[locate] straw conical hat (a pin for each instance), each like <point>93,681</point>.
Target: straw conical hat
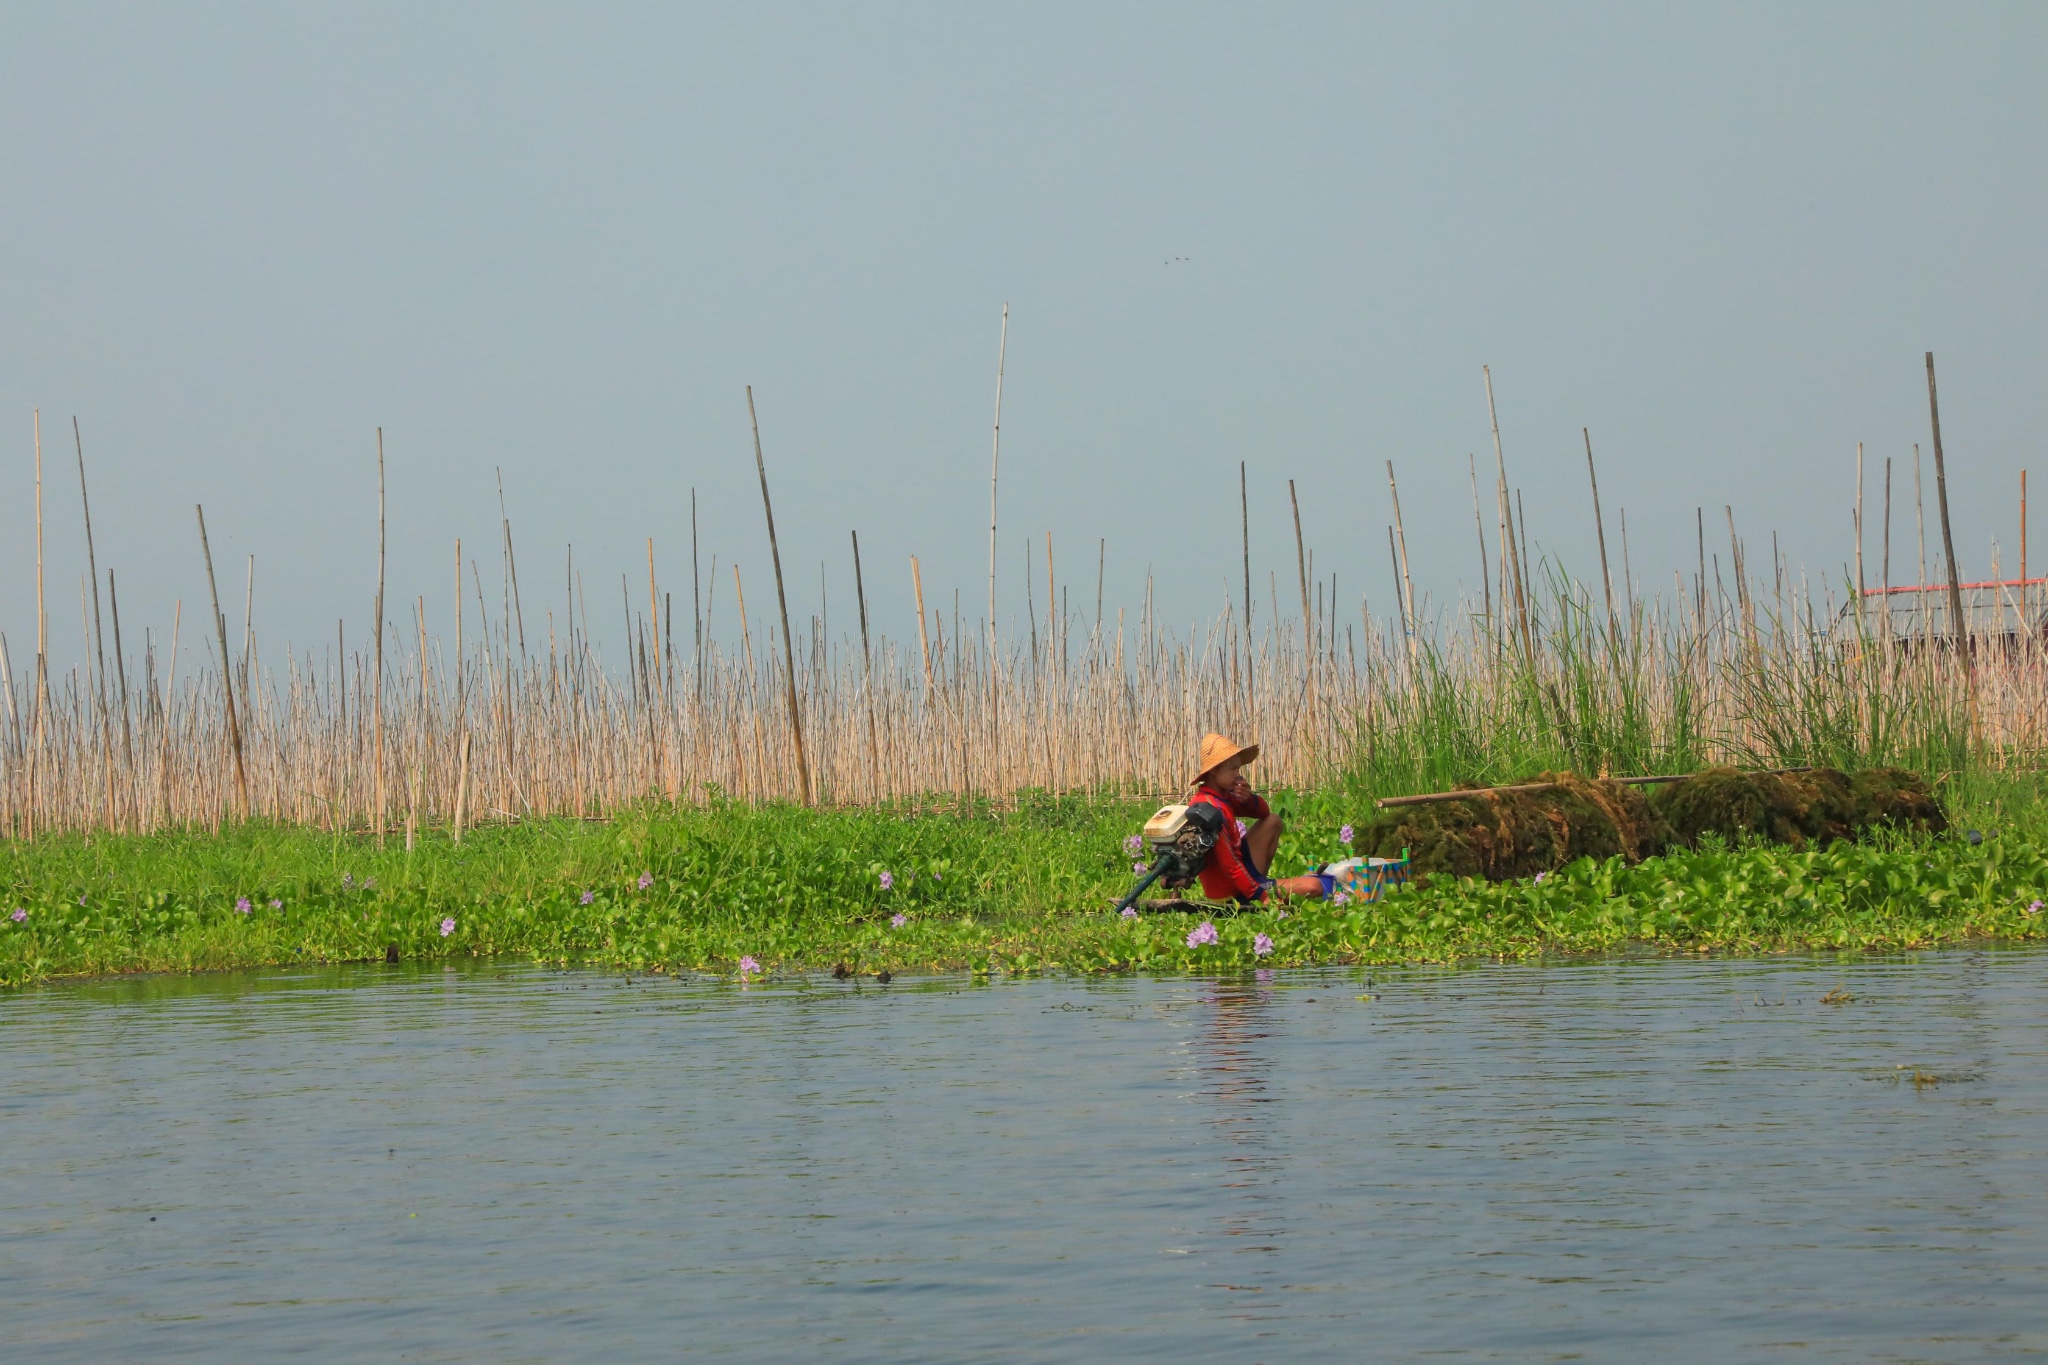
<point>1217,751</point>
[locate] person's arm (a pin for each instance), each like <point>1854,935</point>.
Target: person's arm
<point>1248,803</point>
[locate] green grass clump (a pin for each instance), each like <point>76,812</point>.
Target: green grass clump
<point>1017,890</point>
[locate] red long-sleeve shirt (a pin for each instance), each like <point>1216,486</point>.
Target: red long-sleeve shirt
<point>1226,874</point>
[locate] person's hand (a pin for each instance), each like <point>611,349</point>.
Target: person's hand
<point>1242,788</point>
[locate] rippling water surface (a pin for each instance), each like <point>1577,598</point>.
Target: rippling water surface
<point>1601,1161</point>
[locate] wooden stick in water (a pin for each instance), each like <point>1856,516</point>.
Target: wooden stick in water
<point>1885,555</point>
<point>1479,525</point>
<point>1860,588</point>
<point>378,626</point>
<point>92,568</point>
<point>1948,545</point>
<point>1407,583</point>
<point>227,682</point>
<point>994,463</point>
<point>923,641</point>
<point>1244,511</point>
<point>1919,515</point>
<point>796,722</point>
<point>1600,533</point>
<point>860,594</point>
<point>462,788</point>
<point>121,673</point>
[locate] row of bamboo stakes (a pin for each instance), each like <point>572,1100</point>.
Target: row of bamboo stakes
<point>408,732</point>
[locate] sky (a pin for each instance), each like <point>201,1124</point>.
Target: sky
<point>559,243</point>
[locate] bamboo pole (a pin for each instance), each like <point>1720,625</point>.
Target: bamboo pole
<point>1861,590</point>
<point>1885,555</point>
<point>98,636</point>
<point>227,682</point>
<point>1957,627</point>
<point>1479,525</point>
<point>1919,515</point>
<point>1600,533</point>
<point>1407,583</point>
<point>867,665</point>
<point>378,626</point>
<point>923,642</point>
<point>462,788</point>
<point>1244,511</point>
<point>41,699</point>
<point>994,463</point>
<point>796,720</point>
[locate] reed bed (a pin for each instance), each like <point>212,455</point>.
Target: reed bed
<point>490,727</point>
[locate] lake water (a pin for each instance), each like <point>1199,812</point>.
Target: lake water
<point>1609,1160</point>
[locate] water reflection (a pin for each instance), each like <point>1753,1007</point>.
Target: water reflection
<point>1606,1159</point>
<point>1237,1089</point>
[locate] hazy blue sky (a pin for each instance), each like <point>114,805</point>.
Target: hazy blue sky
<point>562,241</point>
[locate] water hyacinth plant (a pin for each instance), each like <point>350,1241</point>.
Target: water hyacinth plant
<point>1024,890</point>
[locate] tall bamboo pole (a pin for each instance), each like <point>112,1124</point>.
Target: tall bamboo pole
<point>860,594</point>
<point>227,681</point>
<point>1244,512</point>
<point>42,696</point>
<point>377,685</point>
<point>99,638</point>
<point>1957,626</point>
<point>1479,525</point>
<point>1407,583</point>
<point>796,720</point>
<point>1507,514</point>
<point>994,464</point>
<point>1600,533</point>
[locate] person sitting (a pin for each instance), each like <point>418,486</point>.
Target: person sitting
<point>1238,866</point>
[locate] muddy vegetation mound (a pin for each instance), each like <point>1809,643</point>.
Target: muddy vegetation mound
<point>1498,833</point>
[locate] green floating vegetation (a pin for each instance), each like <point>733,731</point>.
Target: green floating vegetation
<point>1504,834</point>
<point>660,889</point>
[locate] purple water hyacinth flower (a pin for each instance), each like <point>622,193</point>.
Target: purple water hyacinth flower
<point>276,904</point>
<point>1205,932</point>
<point>646,880</point>
<point>1130,912</point>
<point>935,876</point>
<point>1243,829</point>
<point>242,905</point>
<point>1281,914</point>
<point>1138,868</point>
<point>447,926</point>
<point>588,897</point>
<point>749,966</point>
<point>2033,909</point>
<point>1541,875</point>
<point>1261,946</point>
<point>898,920</point>
<point>888,881</point>
<point>1344,835</point>
<point>1338,898</point>
<point>19,915</point>
<point>1133,844</point>
<point>81,900</point>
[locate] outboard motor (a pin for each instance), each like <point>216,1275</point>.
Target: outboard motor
<point>1181,838</point>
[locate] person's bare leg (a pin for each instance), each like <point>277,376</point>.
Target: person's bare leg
<point>1264,841</point>
<point>1308,887</point>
